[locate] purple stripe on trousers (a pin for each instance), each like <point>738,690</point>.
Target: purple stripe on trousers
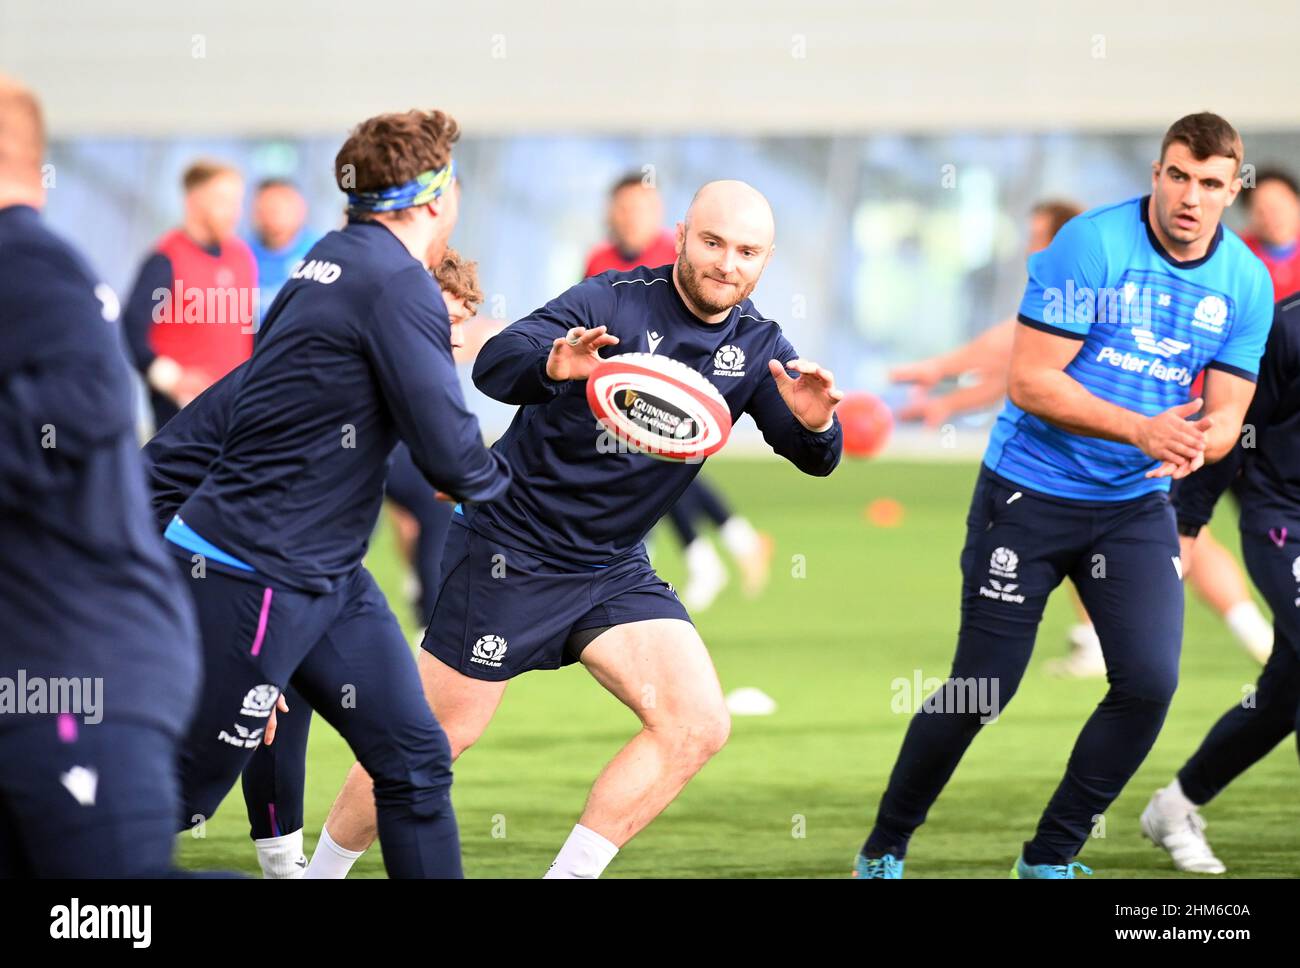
<point>261,621</point>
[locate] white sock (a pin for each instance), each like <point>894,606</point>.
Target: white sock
<point>1083,636</point>
<point>1251,628</point>
<point>1175,802</point>
<point>281,857</point>
<point>738,536</point>
<point>585,854</point>
<point>702,561</point>
<point>330,862</point>
<point>706,575</point>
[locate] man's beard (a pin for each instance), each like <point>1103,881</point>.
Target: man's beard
<point>693,287</point>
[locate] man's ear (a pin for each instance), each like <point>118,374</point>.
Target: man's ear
<point>1234,190</point>
<point>1155,172</point>
<point>680,240</point>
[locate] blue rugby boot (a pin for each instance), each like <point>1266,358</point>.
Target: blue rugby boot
<point>1051,872</point>
<point>888,867</point>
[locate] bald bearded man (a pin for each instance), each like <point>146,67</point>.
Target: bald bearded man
<point>556,572</point>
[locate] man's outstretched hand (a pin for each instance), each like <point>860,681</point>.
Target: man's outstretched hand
<point>575,354</point>
<point>811,396</point>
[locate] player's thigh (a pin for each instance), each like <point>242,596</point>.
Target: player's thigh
<point>293,729</point>
<point>362,679</point>
<point>502,612</point>
<point>661,670</point>
<point>253,636</point>
<point>1131,582</point>
<point>1275,571</point>
<point>101,803</point>
<point>462,704</point>
<point>276,774</point>
<point>252,633</point>
<point>1018,547</point>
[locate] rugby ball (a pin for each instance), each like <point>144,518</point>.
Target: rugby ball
<point>866,421</point>
<point>659,407</point>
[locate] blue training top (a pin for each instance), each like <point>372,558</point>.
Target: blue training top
<point>1147,324</point>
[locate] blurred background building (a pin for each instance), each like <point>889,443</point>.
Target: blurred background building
<point>902,144</point>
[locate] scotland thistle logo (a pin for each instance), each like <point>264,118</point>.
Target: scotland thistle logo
<point>488,651</point>
<point>1210,313</point>
<point>1004,562</point>
<point>259,701</point>
<point>729,361</point>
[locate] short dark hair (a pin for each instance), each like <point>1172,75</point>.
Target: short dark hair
<point>392,149</point>
<point>1206,135</point>
<point>1270,174</point>
<point>1058,211</point>
<point>276,181</point>
<point>201,172</point>
<point>633,179</point>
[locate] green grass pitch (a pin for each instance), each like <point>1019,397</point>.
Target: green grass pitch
<point>851,607</point>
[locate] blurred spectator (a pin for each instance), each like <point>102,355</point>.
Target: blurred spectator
<point>636,233</point>
<point>981,363</point>
<point>279,240</point>
<point>1273,229</point>
<point>191,313</point>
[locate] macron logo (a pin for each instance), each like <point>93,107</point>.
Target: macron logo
<point>82,784</point>
<point>653,340</point>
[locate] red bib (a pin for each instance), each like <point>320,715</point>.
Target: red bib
<point>207,320</point>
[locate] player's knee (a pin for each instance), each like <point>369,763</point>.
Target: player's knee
<point>412,795</point>
<point>698,739</point>
<point>714,732</point>
<point>459,739</point>
<point>1161,685</point>
<point>414,769</point>
<point>420,783</point>
<point>458,745</point>
<point>1148,685</point>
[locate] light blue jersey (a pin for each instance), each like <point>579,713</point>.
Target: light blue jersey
<point>1148,325</point>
